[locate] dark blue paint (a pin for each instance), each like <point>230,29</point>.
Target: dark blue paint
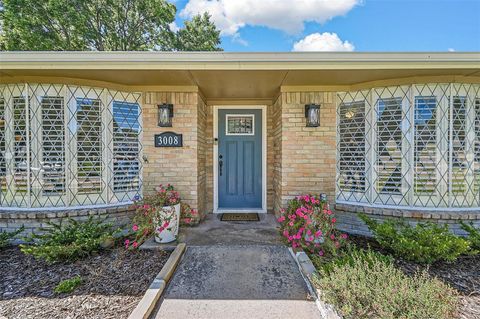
<point>240,185</point>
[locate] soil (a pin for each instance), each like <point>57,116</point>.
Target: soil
<point>463,275</point>
<point>113,282</point>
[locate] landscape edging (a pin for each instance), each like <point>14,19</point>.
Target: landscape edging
<point>156,288</point>
<point>307,269</point>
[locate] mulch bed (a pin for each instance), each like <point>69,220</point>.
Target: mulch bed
<point>114,281</point>
<point>463,275</point>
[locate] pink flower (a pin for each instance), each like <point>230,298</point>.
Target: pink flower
<point>285,233</point>
<point>135,227</point>
<point>334,220</point>
<point>160,229</point>
<point>135,244</point>
<point>337,244</point>
<point>127,242</point>
<point>344,236</point>
<point>165,225</point>
<point>309,232</point>
<point>281,219</point>
<point>193,212</point>
<point>320,253</point>
<point>329,212</point>
<point>290,223</point>
<point>318,233</point>
<point>332,236</point>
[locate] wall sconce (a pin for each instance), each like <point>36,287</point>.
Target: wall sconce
<point>165,114</point>
<point>312,115</point>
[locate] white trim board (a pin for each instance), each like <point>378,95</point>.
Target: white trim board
<point>264,158</point>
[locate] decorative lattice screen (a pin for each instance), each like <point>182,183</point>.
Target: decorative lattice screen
<point>66,145</point>
<point>426,142</point>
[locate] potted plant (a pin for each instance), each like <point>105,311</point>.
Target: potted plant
<point>157,214</point>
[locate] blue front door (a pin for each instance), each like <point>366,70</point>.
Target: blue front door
<point>240,159</point>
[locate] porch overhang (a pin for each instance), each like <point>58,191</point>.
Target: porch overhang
<point>221,75</point>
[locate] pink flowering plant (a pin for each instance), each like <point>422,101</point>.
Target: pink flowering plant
<point>309,224</point>
<point>189,216</point>
<point>149,215</point>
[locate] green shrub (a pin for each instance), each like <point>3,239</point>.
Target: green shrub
<point>70,241</point>
<point>6,237</point>
<point>367,285</point>
<point>473,235</point>
<point>68,285</point>
<point>350,256</point>
<point>423,243</point>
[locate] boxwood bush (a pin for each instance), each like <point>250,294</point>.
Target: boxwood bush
<point>70,241</point>
<point>366,284</point>
<point>473,235</point>
<point>6,237</point>
<point>422,243</point>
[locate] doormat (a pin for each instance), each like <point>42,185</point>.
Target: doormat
<point>240,217</point>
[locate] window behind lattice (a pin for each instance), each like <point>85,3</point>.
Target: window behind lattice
<point>20,146</point>
<point>389,146</point>
<point>53,141</point>
<point>352,147</point>
<point>459,155</point>
<point>477,146</point>
<point>89,146</point>
<point>126,146</point>
<point>3,182</point>
<point>425,144</point>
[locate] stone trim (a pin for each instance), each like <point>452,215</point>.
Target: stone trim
<point>411,213</point>
<point>33,221</point>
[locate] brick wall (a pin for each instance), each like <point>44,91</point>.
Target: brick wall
<point>209,159</point>
<point>276,118</point>
<point>307,154</point>
<point>177,166</point>
<point>201,155</point>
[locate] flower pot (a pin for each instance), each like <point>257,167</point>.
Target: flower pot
<point>171,215</point>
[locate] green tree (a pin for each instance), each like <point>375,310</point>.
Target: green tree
<point>99,25</point>
<point>200,34</point>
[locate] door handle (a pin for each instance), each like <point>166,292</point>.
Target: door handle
<point>220,164</point>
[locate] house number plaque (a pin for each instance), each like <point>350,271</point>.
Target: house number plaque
<point>168,139</point>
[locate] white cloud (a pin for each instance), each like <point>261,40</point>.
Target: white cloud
<point>288,16</point>
<point>451,50</point>
<point>322,42</point>
<point>174,26</point>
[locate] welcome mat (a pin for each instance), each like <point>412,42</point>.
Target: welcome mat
<point>240,217</point>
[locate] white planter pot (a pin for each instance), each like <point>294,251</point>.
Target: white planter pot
<point>171,232</point>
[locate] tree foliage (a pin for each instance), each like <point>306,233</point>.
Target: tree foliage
<point>101,25</point>
<point>200,34</point>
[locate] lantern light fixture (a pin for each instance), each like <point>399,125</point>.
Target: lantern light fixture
<point>312,115</point>
<point>165,115</point>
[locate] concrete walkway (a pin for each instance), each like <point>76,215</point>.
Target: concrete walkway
<point>237,281</point>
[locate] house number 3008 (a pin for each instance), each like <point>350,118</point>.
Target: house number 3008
<point>168,139</point>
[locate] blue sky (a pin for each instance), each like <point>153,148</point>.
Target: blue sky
<point>342,25</point>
